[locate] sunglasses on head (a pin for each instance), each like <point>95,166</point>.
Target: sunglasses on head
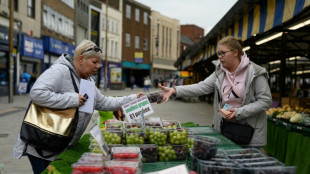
<point>95,48</point>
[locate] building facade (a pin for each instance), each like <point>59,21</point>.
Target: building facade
<point>165,45</point>
<point>111,41</point>
<point>136,59</point>
<point>192,31</point>
<point>28,48</point>
<point>57,29</point>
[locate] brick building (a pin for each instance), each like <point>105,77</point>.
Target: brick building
<point>136,41</point>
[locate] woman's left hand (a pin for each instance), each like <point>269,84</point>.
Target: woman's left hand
<point>139,94</point>
<point>232,113</point>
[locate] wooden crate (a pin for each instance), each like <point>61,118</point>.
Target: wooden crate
<point>300,102</point>
<point>275,96</point>
<point>285,100</point>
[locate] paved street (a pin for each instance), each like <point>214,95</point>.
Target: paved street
<point>12,114</point>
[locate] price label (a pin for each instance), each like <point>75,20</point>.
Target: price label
<point>97,134</point>
<point>135,110</point>
<point>180,169</point>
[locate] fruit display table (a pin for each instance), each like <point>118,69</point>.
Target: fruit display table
<point>72,154</point>
<point>289,143</point>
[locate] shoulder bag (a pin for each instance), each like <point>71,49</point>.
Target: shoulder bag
<point>49,129</point>
<point>238,133</point>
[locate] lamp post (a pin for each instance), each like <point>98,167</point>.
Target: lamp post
<point>11,34</point>
<point>106,49</point>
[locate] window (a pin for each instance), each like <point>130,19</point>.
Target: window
<point>16,5</point>
<point>60,29</point>
<point>137,42</point>
<point>108,47</point>
<point>30,8</point>
<point>108,25</point>
<point>116,27</point>
<point>116,49</point>
<point>70,3</point>
<point>112,44</point>
<point>103,45</point>
<point>112,30</point>
<point>137,15</point>
<point>145,44</point>
<point>57,22</point>
<point>127,41</point>
<point>103,22</point>
<point>145,18</point>
<point>45,18</point>
<point>128,11</point>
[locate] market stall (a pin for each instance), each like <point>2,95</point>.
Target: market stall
<point>66,159</point>
<point>288,137</point>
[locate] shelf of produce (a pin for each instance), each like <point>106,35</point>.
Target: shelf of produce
<point>289,143</point>
<point>72,154</point>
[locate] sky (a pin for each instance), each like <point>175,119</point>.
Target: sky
<point>203,13</point>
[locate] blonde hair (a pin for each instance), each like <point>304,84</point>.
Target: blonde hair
<point>232,43</point>
<point>84,45</point>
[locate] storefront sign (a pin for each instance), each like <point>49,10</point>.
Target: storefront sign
<point>138,57</point>
<point>133,109</point>
<point>58,47</point>
<point>4,36</point>
<point>32,47</point>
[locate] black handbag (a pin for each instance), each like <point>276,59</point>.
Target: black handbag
<point>238,133</point>
<point>49,129</point>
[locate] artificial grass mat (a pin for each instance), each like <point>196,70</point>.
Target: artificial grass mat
<point>66,159</point>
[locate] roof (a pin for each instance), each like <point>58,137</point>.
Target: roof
<point>186,40</point>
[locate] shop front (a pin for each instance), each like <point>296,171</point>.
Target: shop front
<point>114,74</point>
<point>4,59</point>
<point>53,48</point>
<point>138,70</point>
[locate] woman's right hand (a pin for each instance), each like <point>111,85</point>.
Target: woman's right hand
<point>167,93</point>
<point>82,100</point>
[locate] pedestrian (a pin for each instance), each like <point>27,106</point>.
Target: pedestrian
<point>54,89</point>
<point>147,83</point>
<point>161,81</point>
<point>132,81</point>
<point>156,83</point>
<point>237,82</point>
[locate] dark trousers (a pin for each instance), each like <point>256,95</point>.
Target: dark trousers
<point>38,164</point>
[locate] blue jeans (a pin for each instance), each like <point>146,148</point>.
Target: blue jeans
<point>38,164</point>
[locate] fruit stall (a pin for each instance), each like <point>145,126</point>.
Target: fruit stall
<point>135,148</point>
<point>288,136</point>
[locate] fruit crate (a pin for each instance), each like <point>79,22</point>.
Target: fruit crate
<point>178,136</point>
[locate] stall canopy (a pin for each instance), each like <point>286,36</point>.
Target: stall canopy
<point>272,30</point>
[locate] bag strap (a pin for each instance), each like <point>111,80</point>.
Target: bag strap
<point>234,90</point>
<point>76,117</point>
<point>74,84</point>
